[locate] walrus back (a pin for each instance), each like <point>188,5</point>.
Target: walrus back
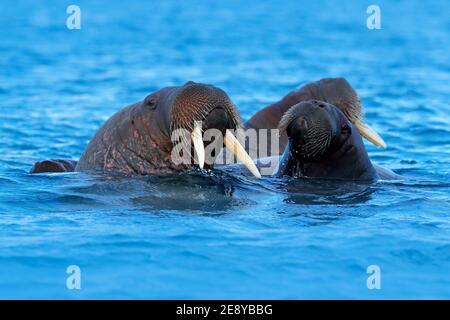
<point>54,165</point>
<point>105,151</point>
<point>130,142</point>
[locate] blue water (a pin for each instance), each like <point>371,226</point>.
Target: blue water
<point>222,235</point>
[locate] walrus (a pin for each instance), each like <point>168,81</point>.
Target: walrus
<point>323,143</point>
<point>138,139</point>
<point>335,91</point>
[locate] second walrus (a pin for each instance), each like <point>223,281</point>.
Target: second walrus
<point>336,91</point>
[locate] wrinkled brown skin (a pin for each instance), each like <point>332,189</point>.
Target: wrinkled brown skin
<point>134,140</point>
<point>137,139</point>
<point>336,91</point>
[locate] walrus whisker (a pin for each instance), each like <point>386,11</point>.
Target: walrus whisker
<point>317,143</point>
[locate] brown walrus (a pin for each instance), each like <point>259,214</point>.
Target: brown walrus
<point>336,91</point>
<point>138,139</point>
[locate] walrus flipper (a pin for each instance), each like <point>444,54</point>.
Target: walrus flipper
<point>54,165</point>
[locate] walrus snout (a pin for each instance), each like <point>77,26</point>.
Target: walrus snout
<point>310,127</point>
<point>198,107</point>
<point>198,101</point>
<point>218,119</point>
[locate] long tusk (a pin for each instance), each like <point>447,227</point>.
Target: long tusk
<point>235,147</point>
<point>199,148</point>
<point>370,134</point>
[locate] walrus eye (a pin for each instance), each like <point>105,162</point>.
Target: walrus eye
<point>150,101</point>
<point>345,129</point>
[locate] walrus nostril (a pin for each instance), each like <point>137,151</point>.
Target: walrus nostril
<point>321,105</point>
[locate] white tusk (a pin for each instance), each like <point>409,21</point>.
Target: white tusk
<point>370,134</point>
<point>199,148</point>
<point>235,147</point>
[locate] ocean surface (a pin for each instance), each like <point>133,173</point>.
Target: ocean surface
<point>222,235</point>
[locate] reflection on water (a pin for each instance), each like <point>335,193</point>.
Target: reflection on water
<point>319,192</point>
<point>214,191</point>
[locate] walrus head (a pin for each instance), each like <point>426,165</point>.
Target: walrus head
<point>322,143</point>
<point>338,92</point>
<point>197,107</point>
<point>144,138</point>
